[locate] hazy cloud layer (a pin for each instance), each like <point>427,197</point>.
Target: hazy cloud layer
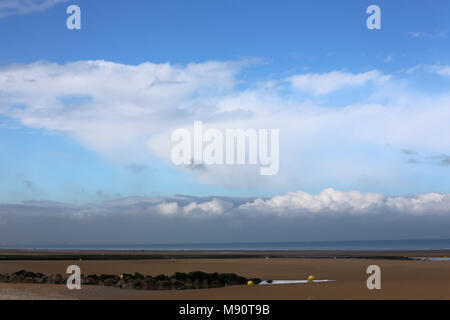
<point>330,215</point>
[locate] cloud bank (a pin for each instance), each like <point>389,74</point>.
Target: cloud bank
<point>295,216</point>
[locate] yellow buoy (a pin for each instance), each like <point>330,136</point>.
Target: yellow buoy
<point>80,259</point>
<point>250,283</point>
<point>121,276</point>
<point>310,279</point>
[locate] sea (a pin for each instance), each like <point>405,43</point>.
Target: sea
<point>364,245</point>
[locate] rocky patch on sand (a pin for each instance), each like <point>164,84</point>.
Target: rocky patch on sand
<point>137,281</point>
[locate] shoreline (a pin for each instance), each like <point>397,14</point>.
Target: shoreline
<point>65,255</point>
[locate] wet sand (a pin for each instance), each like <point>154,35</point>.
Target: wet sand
<point>401,279</point>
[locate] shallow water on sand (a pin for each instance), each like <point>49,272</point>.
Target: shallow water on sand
<point>431,258</point>
<point>292,281</point>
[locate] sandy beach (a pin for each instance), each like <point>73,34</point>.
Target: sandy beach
<point>401,279</point>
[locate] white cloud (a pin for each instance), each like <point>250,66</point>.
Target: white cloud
<point>442,70</point>
<point>171,207</point>
<point>432,35</point>
<point>20,7</point>
<point>140,100</point>
<point>121,110</point>
<point>350,202</point>
<point>421,204</point>
<point>299,203</point>
<point>167,209</point>
<point>324,83</point>
<point>327,200</point>
<point>215,207</point>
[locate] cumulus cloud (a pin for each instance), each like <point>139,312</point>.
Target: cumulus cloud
<point>167,209</point>
<point>331,200</point>
<point>328,200</point>
<point>215,207</point>
<point>323,83</point>
<point>335,201</point>
<point>421,204</point>
<point>20,7</point>
<point>329,215</point>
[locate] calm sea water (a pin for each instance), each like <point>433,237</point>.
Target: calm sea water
<point>436,244</point>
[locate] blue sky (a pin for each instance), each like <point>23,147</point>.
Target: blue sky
<point>288,34</point>
<point>273,41</point>
<point>86,118</point>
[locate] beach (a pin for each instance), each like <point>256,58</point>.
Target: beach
<point>401,277</point>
